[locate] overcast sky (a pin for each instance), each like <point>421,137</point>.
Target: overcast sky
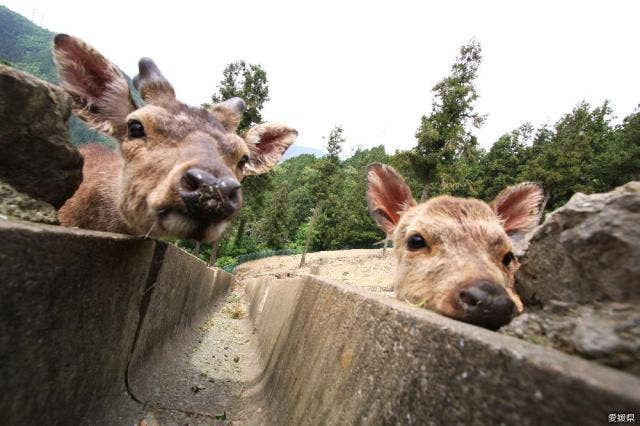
<point>370,66</point>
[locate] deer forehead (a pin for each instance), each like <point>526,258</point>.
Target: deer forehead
<point>446,220</point>
<point>176,120</point>
<point>179,123</point>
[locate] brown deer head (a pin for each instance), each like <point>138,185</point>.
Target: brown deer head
<point>454,254</point>
<point>181,166</point>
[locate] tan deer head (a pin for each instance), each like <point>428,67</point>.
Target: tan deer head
<point>454,254</point>
<point>177,170</point>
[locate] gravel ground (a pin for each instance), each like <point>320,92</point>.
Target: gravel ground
<point>363,268</point>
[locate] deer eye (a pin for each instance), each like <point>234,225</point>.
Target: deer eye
<point>508,258</point>
<point>416,242</point>
<point>243,162</point>
<point>136,129</point>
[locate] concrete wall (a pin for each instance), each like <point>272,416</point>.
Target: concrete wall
<point>339,355</point>
<point>78,308</point>
<point>85,315</point>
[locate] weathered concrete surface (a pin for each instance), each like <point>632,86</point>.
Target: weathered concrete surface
<point>339,355</point>
<point>68,314</point>
<point>16,205</point>
<point>207,373</point>
<point>100,328</point>
<point>181,290</point>
<point>36,156</point>
<point>74,306</point>
<point>587,250</point>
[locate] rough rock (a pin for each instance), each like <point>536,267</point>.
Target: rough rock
<point>36,156</point>
<point>16,205</point>
<point>604,332</point>
<point>585,251</point>
<point>580,280</point>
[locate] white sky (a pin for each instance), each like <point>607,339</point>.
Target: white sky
<point>370,66</point>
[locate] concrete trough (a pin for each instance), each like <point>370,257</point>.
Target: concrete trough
<point>334,354</point>
<point>106,329</point>
<point>79,310</point>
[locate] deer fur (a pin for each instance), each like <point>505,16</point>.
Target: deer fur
<point>136,189</point>
<point>466,240</point>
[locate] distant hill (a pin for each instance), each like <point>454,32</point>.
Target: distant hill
<point>26,46</point>
<point>296,150</point>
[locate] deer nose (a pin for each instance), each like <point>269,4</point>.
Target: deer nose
<point>487,304</point>
<point>209,197</point>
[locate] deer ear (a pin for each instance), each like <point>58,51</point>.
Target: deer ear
<point>518,207</point>
<point>228,113</point>
<point>100,93</point>
<point>388,196</point>
<point>267,143</point>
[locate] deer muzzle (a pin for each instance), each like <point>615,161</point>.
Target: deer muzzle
<point>207,197</point>
<point>486,304</point>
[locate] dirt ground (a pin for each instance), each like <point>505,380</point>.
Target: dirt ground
<point>363,268</point>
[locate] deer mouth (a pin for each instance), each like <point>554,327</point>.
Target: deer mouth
<point>181,224</point>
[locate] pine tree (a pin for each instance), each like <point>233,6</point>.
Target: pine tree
<point>444,136</point>
<point>249,82</point>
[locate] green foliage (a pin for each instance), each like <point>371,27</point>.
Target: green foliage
<point>335,143</point>
<point>446,151</point>
<point>26,46</point>
<point>249,82</point>
<point>565,160</point>
<point>226,262</point>
<point>276,218</point>
<point>503,164</point>
<point>246,81</point>
<point>618,161</point>
<point>581,152</point>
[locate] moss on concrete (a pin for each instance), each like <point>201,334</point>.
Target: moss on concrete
<point>16,205</point>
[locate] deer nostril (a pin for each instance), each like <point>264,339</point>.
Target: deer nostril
<point>189,182</point>
<point>228,186</point>
<point>234,196</point>
<point>487,304</point>
<point>473,296</point>
<point>206,196</point>
<point>195,178</point>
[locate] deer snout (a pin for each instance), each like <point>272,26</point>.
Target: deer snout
<point>487,304</point>
<point>208,197</point>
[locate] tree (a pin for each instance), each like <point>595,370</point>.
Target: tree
<point>504,162</point>
<point>619,161</point>
<point>246,81</point>
<point>249,82</point>
<point>444,136</point>
<point>335,143</point>
<point>564,161</point>
<point>327,169</point>
<point>273,225</point>
<point>346,222</point>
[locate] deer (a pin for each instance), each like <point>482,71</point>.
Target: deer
<point>177,170</point>
<point>454,255</point>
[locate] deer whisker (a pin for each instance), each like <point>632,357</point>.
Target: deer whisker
<point>153,225</point>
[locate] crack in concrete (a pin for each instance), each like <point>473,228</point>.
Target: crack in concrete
<point>152,276</point>
<point>185,412</point>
